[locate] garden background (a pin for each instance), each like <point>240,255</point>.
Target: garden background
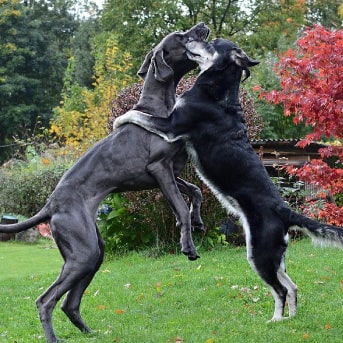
<point>69,68</point>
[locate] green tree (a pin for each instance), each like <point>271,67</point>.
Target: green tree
<point>34,47</point>
<point>139,24</point>
<point>81,118</point>
<point>82,52</point>
<point>325,12</point>
<point>18,41</point>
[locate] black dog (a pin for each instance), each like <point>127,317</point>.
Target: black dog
<point>127,160</point>
<point>210,120</point>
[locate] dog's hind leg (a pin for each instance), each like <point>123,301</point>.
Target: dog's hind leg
<point>71,304</point>
<point>269,275</point>
<point>266,257</point>
<point>292,289</point>
<point>194,194</point>
<point>78,244</point>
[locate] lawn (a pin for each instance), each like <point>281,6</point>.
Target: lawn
<point>135,298</point>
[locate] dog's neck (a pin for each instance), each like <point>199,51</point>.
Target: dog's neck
<point>223,87</point>
<point>157,98</point>
<point>182,69</point>
<point>232,91</point>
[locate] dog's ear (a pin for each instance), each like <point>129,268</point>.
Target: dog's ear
<point>243,60</point>
<point>162,71</point>
<point>143,70</point>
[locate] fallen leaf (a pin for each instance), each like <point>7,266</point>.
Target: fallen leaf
<point>306,336</point>
<point>178,339</point>
<point>319,282</point>
<point>106,271</point>
<point>101,307</point>
<point>119,311</point>
<point>245,290</point>
<point>140,297</point>
<point>327,327</point>
<point>210,340</point>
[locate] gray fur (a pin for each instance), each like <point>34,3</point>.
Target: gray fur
<point>129,159</point>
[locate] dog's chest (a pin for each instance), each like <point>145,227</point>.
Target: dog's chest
<point>229,203</point>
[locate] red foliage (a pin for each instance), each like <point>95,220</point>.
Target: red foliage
<point>319,174</point>
<point>311,82</point>
<point>312,91</point>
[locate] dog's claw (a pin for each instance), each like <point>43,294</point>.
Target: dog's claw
<point>191,256</point>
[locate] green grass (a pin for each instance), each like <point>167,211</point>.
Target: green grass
<point>217,299</point>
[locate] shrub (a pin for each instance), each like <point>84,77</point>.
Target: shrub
<point>118,225</point>
<point>25,186</point>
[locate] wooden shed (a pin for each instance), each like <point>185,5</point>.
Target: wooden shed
<point>280,152</point>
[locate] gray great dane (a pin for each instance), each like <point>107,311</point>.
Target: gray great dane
<point>129,159</point>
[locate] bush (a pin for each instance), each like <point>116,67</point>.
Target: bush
<point>25,186</point>
<point>121,227</point>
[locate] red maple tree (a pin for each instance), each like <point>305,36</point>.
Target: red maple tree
<point>312,92</point>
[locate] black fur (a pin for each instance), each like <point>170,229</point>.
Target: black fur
<point>211,121</point>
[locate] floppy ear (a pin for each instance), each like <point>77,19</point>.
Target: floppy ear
<point>143,70</point>
<point>163,72</point>
<point>243,60</point>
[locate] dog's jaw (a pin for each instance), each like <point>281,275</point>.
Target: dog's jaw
<point>197,52</point>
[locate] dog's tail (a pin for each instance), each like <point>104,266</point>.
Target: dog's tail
<point>320,233</point>
<point>40,217</point>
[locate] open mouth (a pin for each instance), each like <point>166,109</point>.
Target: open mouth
<point>200,32</point>
<point>192,55</point>
<point>203,34</point>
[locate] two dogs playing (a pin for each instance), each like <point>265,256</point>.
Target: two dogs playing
<point>209,121</point>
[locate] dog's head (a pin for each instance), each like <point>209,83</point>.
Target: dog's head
<point>169,59</point>
<point>219,54</point>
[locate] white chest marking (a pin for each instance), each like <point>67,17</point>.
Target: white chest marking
<point>228,202</point>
